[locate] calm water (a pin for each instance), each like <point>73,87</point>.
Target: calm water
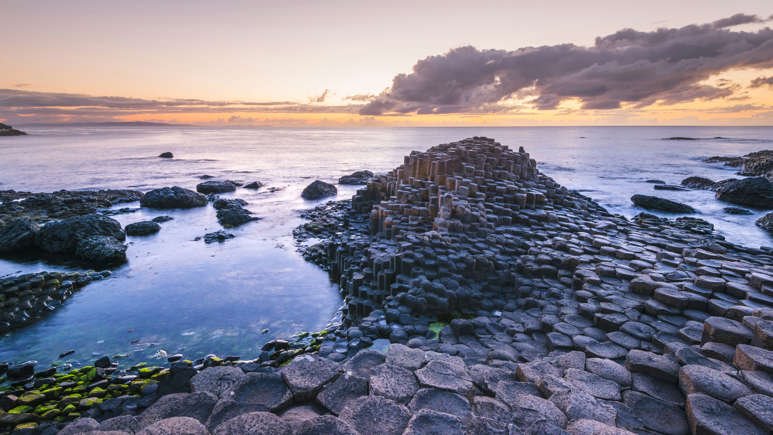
<point>179,295</point>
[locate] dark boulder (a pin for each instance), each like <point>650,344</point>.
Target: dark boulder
<point>101,251</point>
<point>726,160</point>
<point>759,163</point>
<point>737,210</point>
<point>173,197</point>
<point>166,155</point>
<point>766,222</point>
<point>221,203</point>
<point>318,189</point>
<point>698,183</point>
<point>655,181</point>
<point>218,236</point>
<point>253,185</point>
<point>215,186</point>
<point>17,235</point>
<point>234,216</point>
<point>143,228</point>
<point>64,236</point>
<point>754,192</point>
<point>7,130</point>
<point>661,204</point>
<point>161,219</point>
<point>358,177</point>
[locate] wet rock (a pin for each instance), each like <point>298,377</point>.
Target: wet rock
<point>660,204</point>
<point>711,416</point>
<point>376,414</point>
<point>143,228</point>
<point>166,155</point>
<point>698,183</point>
<point>737,211</point>
<point>17,235</point>
<point>230,217</point>
<point>215,186</point>
<point>306,375</point>
<point>318,189</point>
<point>21,371</point>
<point>194,405</point>
<point>754,192</point>
<point>173,197</point>
<point>219,236</point>
<point>358,177</point>
<point>62,237</point>
<point>267,390</point>
<point>174,426</point>
<point>162,219</point>
<point>254,185</point>
<point>217,380</point>
<point>700,379</point>
<point>101,251</point>
<point>393,382</point>
<point>336,395</point>
<point>256,423</point>
<point>671,187</point>
<point>766,222</point>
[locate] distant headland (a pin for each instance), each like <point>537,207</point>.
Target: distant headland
<point>7,130</point>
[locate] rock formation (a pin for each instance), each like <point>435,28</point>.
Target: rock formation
<point>7,130</point>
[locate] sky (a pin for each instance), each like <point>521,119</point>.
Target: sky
<point>368,63</point>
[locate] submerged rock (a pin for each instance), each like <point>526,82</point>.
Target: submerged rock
<point>214,186</point>
<point>143,228</point>
<point>173,197</point>
<point>756,192</point>
<point>166,155</point>
<point>218,236</point>
<point>318,189</point>
<point>358,177</point>
<point>698,183</point>
<point>661,204</point>
<point>737,210</point>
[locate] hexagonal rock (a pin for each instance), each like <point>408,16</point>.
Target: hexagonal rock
<point>174,426</point>
<point>325,425</point>
<point>217,380</point>
<point>375,414</point>
<point>427,421</point>
<point>508,390</point>
<point>126,423</point>
<point>405,356</point>
<point>394,382</point>
<point>226,409</point>
<point>528,409</point>
<point>492,409</point>
<point>724,330</point>
<point>307,374</point>
<point>699,379</point>
<point>254,423</point>
<point>605,349</point>
<point>656,414</point>
<point>593,384</point>
<point>671,297</point>
<point>710,282</point>
<point>442,401</point>
<point>638,330</point>
<point>660,366</point>
<point>753,358</point>
<point>763,332</point>
<point>574,359</point>
<point>758,408</point>
<point>593,427</point>
<point>195,405</point>
<point>335,395</point>
<point>579,404</point>
<point>264,389</point>
<point>79,426</point>
<point>446,376</point>
<point>363,362</point>
<point>608,369</point>
<point>707,415</point>
<point>536,370</point>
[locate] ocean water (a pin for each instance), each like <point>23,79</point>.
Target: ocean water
<point>183,296</point>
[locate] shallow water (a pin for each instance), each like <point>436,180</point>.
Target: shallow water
<point>182,295</point>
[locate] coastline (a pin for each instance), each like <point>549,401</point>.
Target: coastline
<point>510,280</point>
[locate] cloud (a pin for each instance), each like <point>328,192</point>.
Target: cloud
<point>21,85</point>
<point>667,65</point>
<point>361,97</point>
<point>321,98</point>
<point>23,106</point>
<point>761,81</point>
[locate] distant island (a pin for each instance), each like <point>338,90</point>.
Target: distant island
<point>7,130</point>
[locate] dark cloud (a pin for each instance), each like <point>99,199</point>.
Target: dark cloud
<point>629,66</point>
<point>762,81</point>
<point>321,98</point>
<point>361,97</point>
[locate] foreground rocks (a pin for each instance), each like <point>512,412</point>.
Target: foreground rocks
<point>756,192</point>
<point>231,213</point>
<point>213,186</point>
<point>355,178</point>
<point>173,197</point>
<point>7,130</point>
<point>660,204</point>
<point>318,190</point>
<point>758,163</point>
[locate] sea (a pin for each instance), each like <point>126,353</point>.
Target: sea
<point>177,294</point>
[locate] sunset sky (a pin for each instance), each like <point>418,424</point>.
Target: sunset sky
<point>361,63</point>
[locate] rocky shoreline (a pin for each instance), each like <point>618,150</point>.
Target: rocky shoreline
<point>480,297</point>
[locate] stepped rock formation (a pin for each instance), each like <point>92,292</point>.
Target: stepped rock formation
<point>511,305</point>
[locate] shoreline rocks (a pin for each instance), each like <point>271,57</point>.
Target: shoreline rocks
<point>143,228</point>
<point>172,197</point>
<point>660,204</point>
<point>698,183</point>
<point>755,164</point>
<point>318,190</point>
<point>355,178</point>
<point>214,186</point>
<point>756,192</point>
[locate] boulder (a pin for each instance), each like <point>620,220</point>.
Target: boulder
<point>101,251</point>
<point>166,155</point>
<point>255,185</point>
<point>318,189</point>
<point>661,204</point>
<point>173,197</point>
<point>61,237</point>
<point>698,183</point>
<point>756,192</point>
<point>219,236</point>
<point>765,222</point>
<point>143,228</point>
<point>215,186</point>
<point>17,235</point>
<point>358,177</point>
<point>758,163</point>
